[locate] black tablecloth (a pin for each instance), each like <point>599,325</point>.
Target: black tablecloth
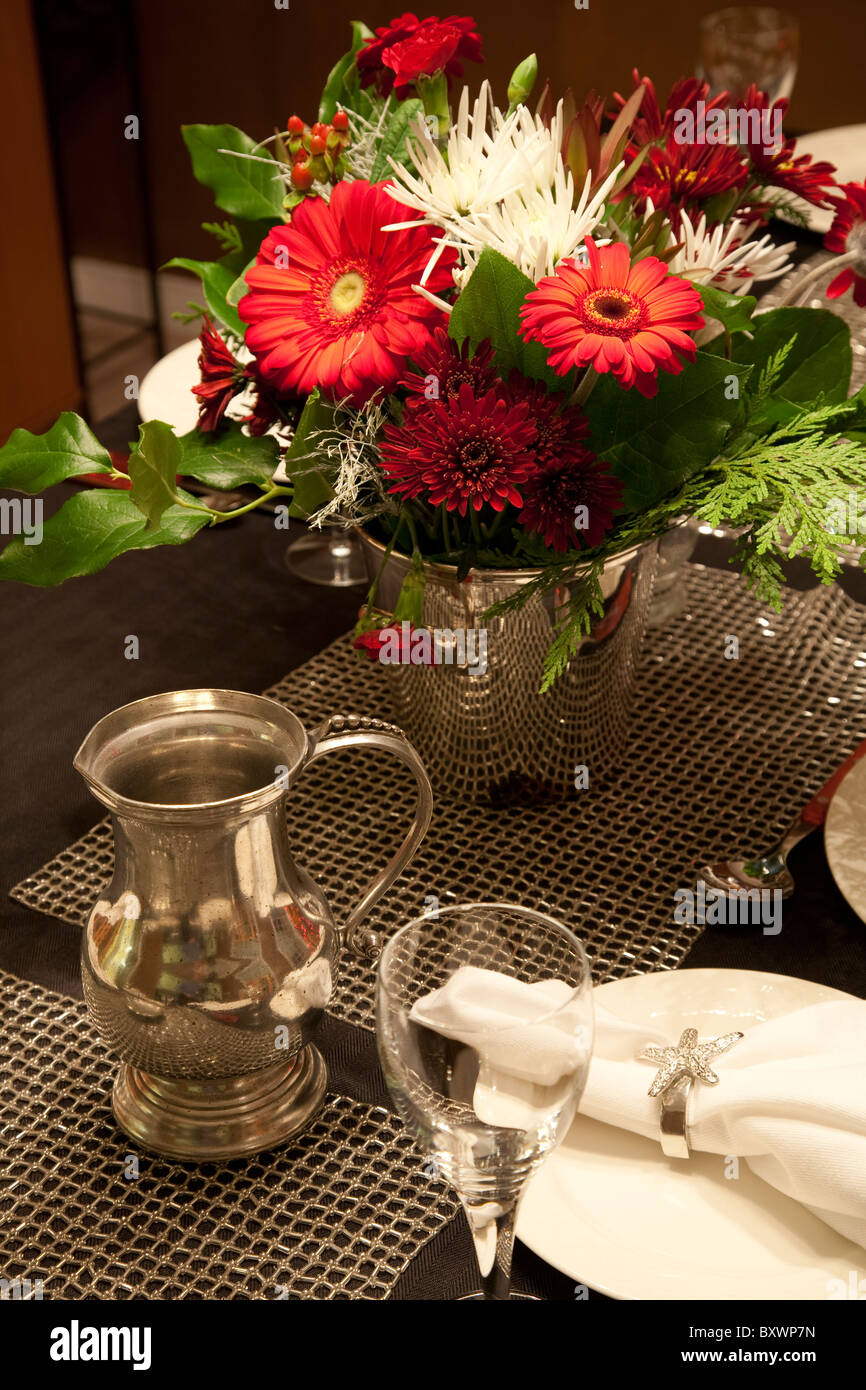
<point>224,611</point>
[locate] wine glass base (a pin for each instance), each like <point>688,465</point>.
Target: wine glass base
<point>332,559</point>
<point>479,1298</point>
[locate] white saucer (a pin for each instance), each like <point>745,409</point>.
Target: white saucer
<point>845,837</point>
<point>611,1212</point>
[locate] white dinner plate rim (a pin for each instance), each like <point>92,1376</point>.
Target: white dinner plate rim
<point>536,1241</point>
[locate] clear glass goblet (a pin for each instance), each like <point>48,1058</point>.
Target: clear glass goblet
<point>749,43</point>
<point>484,1022</point>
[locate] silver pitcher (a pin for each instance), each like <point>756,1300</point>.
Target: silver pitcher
<point>211,957</point>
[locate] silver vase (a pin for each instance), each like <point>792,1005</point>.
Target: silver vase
<point>484,731</point>
<point>210,957</point>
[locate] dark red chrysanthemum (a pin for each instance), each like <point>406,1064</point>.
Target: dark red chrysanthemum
<point>222,378</point>
<point>848,233</point>
<point>808,178</point>
<point>444,368</point>
<point>632,320</point>
<point>464,451</point>
<point>330,300</point>
<point>571,501</point>
<point>558,427</point>
<point>651,124</point>
<point>408,48</point>
<point>677,175</point>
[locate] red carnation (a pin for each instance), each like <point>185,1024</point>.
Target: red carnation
<point>552,497</point>
<point>330,300</point>
<point>464,451</point>
<point>409,48</point>
<point>848,233</point>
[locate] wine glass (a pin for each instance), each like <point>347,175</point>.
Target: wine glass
<point>331,556</point>
<point>484,1022</point>
<point>749,43</point>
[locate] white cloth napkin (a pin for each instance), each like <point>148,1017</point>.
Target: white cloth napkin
<point>791,1101</point>
<point>791,1098</point>
<point>526,1036</point>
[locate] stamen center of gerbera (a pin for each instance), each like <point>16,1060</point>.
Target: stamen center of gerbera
<point>347,293</point>
<point>614,311</point>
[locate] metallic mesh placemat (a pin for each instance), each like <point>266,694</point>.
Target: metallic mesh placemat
<point>723,754</point>
<point>337,1215</point>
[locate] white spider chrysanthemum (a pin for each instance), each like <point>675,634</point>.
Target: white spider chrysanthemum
<point>725,257</point>
<point>536,229</point>
<point>508,189</point>
<point>480,168</point>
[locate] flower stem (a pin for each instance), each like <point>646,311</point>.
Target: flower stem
<point>584,387</point>
<point>433,92</point>
<point>248,507</point>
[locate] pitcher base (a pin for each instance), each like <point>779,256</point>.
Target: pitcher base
<point>220,1118</point>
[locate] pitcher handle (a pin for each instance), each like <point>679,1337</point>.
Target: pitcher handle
<point>353,730</point>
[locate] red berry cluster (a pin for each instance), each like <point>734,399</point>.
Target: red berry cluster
<point>317,151</point>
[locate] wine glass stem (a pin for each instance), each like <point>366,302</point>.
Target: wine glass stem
<point>492,1227</point>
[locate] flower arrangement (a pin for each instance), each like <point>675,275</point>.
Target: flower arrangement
<point>511,337</point>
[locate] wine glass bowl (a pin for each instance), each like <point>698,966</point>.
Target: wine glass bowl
<point>484,1023</point>
<point>749,43</point>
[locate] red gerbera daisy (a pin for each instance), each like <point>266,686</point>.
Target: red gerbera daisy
<point>806,177</point>
<point>848,233</point>
<point>331,302</point>
<point>632,320</point>
<point>444,367</point>
<point>222,378</point>
<point>408,48</point>
<point>571,501</point>
<point>465,451</point>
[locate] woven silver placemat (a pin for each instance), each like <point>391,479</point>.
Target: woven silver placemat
<point>723,754</point>
<point>83,1214</point>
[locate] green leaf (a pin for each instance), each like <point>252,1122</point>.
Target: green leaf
<point>343,82</point>
<point>231,459</point>
<point>818,363</point>
<point>311,487</point>
<point>153,468</point>
<point>394,140</point>
<point>89,531</point>
<point>31,462</point>
<point>489,307</point>
<point>243,187</point>
<point>239,287</point>
<point>654,445</point>
<point>217,279</point>
<point>733,310</point>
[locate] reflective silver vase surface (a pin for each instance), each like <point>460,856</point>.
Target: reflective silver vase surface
<point>211,957</point>
<point>486,734</point>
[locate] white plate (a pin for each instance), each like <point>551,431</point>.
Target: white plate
<point>844,146</point>
<point>609,1210</point>
<point>845,837</point>
<point>166,391</point>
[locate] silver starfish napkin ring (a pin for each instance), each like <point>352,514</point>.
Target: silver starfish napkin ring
<point>678,1066</point>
